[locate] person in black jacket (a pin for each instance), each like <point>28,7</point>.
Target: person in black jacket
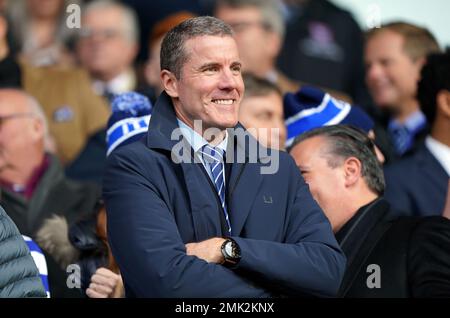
<point>386,256</point>
<point>19,274</point>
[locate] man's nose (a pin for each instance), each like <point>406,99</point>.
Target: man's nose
<point>373,72</point>
<point>227,80</point>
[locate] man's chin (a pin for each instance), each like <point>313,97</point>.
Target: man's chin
<point>227,124</point>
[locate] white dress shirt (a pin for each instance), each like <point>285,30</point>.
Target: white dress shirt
<point>440,151</point>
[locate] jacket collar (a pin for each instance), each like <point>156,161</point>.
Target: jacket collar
<point>428,162</point>
<point>245,176</point>
<point>358,236</point>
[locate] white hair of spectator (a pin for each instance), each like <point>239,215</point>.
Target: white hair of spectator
<point>130,26</point>
<point>36,109</point>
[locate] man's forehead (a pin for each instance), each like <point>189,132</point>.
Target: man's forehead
<point>110,16</point>
<point>209,40</point>
<point>12,100</point>
<point>388,39</point>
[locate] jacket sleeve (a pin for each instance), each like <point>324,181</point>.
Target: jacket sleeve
<point>147,245</point>
<point>309,260</point>
<point>19,274</point>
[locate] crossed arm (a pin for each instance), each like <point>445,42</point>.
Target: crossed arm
<point>155,262</point>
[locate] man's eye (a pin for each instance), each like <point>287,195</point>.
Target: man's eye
<point>211,69</point>
<point>386,62</point>
<point>263,116</point>
<point>236,69</point>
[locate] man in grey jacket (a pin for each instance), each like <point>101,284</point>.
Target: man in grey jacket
<point>19,276</point>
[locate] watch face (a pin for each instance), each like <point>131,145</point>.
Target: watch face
<point>229,249</point>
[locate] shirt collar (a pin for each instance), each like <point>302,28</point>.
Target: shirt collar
<point>196,141</point>
<point>414,122</point>
<point>440,151</point>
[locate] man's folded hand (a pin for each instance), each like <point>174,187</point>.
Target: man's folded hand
<point>209,250</point>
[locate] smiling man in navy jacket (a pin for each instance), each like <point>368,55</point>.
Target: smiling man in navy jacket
<point>218,225</point>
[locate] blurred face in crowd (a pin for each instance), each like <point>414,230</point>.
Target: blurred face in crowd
<point>45,8</point>
<point>210,87</point>
<point>153,69</point>
<point>391,74</point>
<point>265,112</point>
<point>258,46</point>
<point>103,47</point>
<point>21,131</point>
<point>327,184</point>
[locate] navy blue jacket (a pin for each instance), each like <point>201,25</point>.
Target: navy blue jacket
<point>155,206</point>
<point>417,185</point>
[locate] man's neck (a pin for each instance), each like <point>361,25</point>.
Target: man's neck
<point>267,71</point>
<point>356,203</point>
<point>214,137</point>
<point>406,109</point>
<point>217,139</point>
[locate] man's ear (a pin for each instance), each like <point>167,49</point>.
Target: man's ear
<point>3,28</point>
<point>419,63</point>
<point>443,103</point>
<point>38,129</point>
<point>170,83</point>
<point>352,171</point>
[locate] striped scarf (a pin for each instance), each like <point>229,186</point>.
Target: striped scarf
<point>39,260</point>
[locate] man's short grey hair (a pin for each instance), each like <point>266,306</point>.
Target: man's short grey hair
<point>344,142</point>
<point>130,27</point>
<point>173,54</point>
<point>271,12</point>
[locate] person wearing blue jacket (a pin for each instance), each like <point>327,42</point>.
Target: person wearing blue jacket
<point>195,211</point>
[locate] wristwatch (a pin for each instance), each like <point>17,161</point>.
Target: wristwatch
<point>231,253</point>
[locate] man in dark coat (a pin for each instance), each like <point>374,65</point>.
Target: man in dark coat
<point>387,257</point>
<point>183,221</point>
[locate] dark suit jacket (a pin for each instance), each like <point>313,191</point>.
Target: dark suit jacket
<point>413,254</point>
<point>417,185</point>
<point>156,206</point>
